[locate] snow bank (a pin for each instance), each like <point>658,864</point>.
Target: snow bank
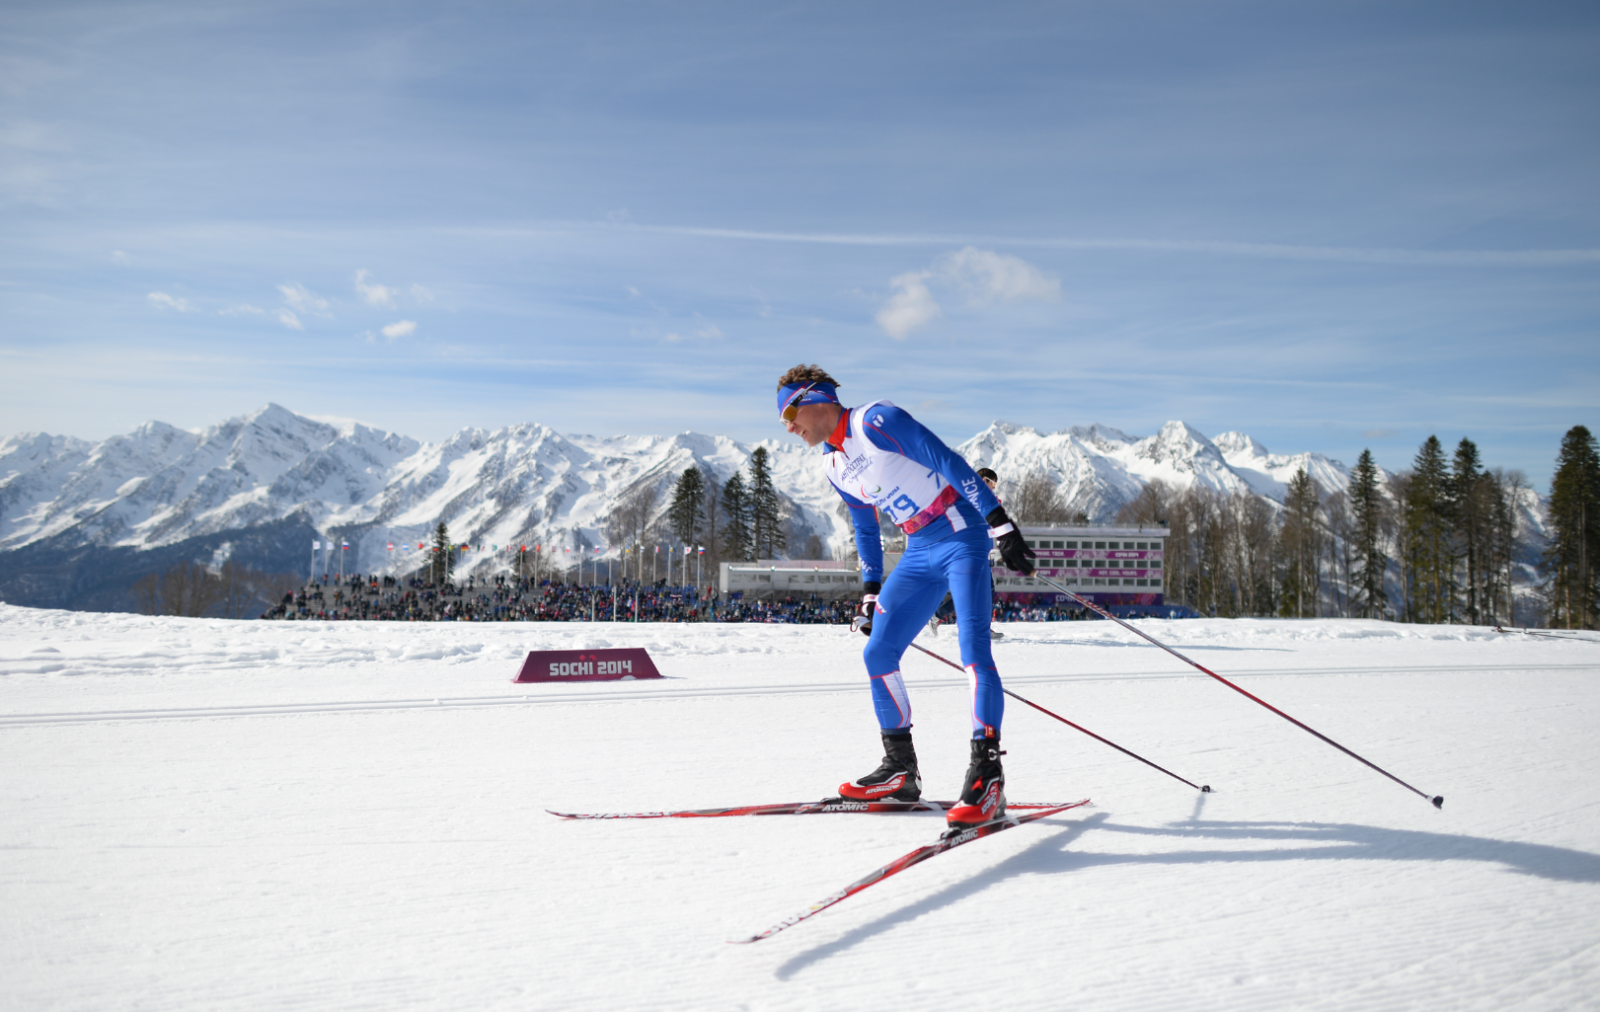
<point>205,814</point>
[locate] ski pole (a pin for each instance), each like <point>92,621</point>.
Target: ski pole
<point>1204,789</point>
<point>1438,800</point>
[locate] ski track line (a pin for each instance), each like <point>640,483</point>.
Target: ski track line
<point>475,702</point>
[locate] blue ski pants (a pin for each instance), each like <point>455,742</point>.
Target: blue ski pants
<point>958,565</point>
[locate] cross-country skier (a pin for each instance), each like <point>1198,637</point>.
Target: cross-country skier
<point>883,461</point>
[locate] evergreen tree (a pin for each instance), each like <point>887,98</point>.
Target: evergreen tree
<point>767,536</point>
<point>736,540</point>
<point>1367,507</point>
<point>442,560</point>
<point>1428,556</point>
<point>1572,555</point>
<point>686,514</point>
<point>1508,486</point>
<point>1302,547</point>
<point>1471,512</point>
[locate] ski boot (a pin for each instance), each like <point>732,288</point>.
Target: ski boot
<point>896,779</point>
<point>983,794</point>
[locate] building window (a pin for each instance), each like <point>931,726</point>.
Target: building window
<point>1099,544</point>
<point>1072,544</point>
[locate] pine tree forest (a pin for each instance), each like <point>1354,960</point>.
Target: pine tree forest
<point>1436,543</point>
<point>1570,558</point>
<point>1439,542</point>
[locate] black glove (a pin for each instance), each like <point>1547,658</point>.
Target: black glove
<point>869,604</point>
<point>1014,552</point>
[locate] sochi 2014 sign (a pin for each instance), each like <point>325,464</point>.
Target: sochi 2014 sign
<point>587,666</point>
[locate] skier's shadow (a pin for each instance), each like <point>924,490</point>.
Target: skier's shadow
<point>1323,841</point>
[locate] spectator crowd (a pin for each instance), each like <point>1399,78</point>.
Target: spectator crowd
<point>513,599</point>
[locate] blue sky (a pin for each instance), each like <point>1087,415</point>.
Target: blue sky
<point>1330,226</point>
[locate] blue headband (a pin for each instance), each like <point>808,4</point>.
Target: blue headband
<point>820,393</point>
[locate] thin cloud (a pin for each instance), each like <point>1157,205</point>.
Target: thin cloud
<point>288,319</point>
<point>1272,251</point>
<point>911,306</point>
<point>402,328</point>
<point>983,276</point>
<point>379,296</point>
<point>988,277</point>
<point>706,331</point>
<point>301,299</point>
<point>166,301</point>
<point>243,309</point>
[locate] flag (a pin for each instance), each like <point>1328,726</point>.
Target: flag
<point>391,546</point>
<point>701,551</point>
<point>345,545</point>
<point>421,546</point>
<point>316,545</point>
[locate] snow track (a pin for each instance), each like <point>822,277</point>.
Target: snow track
<point>381,841</point>
<point>568,698</point>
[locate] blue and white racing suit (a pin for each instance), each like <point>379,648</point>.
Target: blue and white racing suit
<point>882,460</point>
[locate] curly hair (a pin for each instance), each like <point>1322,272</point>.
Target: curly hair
<point>806,374</point>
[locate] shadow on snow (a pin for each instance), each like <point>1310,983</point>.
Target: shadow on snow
<point>1320,841</point>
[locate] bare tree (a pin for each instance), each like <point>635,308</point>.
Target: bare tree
<point>242,589</point>
<point>629,524</point>
<point>186,588</point>
<point>272,588</point>
<point>147,594</point>
<point>846,551</point>
<point>237,589</point>
<point>1149,507</point>
<point>1036,499</point>
<point>1341,529</point>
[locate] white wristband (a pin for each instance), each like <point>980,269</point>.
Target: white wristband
<point>1005,528</point>
<point>868,597</point>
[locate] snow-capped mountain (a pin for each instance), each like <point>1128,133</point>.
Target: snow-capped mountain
<point>1100,468</point>
<point>80,520</point>
<point>160,487</point>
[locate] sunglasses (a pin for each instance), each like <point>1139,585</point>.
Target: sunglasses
<point>791,408</point>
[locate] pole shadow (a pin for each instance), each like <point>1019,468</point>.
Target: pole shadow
<point>1299,841</point>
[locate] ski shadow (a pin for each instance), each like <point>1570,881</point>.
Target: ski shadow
<point>1298,841</point>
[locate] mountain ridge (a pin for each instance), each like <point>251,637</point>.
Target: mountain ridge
<point>161,487</point>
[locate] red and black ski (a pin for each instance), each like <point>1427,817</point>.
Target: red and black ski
<point>949,841</point>
<point>827,806</point>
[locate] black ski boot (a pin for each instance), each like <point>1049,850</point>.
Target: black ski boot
<point>896,779</point>
<point>983,793</point>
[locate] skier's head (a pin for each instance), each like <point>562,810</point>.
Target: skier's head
<point>808,403</point>
<point>989,477</point>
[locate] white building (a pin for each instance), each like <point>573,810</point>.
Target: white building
<point>1107,565</point>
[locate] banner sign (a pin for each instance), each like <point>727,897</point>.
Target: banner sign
<point>619,665</point>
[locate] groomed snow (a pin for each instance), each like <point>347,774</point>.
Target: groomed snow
<point>210,815</point>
